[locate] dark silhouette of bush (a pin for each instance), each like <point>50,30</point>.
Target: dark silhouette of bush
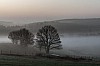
<point>22,37</point>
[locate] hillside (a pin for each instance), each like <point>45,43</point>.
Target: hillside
<point>69,26</point>
<point>4,23</point>
<point>9,48</point>
<point>4,30</point>
<point>40,61</point>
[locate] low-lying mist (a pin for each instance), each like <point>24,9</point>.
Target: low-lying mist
<point>72,45</point>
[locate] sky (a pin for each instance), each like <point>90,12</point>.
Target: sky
<point>27,11</point>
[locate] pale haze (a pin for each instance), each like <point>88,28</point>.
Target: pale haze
<point>28,11</point>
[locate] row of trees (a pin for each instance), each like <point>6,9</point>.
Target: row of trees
<point>47,38</point>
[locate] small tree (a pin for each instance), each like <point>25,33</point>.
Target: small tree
<point>48,38</point>
<point>23,36</point>
<point>14,36</point>
<point>26,37</point>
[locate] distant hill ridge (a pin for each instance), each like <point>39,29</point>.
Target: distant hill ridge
<point>4,23</point>
<point>70,25</point>
<point>63,26</point>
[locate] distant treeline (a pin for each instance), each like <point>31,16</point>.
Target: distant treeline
<point>5,30</point>
<point>62,27</point>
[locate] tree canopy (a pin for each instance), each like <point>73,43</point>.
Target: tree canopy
<point>48,38</point>
<point>22,37</point>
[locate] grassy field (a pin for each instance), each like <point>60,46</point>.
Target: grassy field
<point>36,61</point>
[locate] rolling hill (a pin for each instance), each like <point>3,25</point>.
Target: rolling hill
<point>4,23</point>
<point>69,26</point>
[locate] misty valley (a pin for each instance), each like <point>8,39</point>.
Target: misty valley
<point>72,45</point>
<point>68,39</point>
<point>49,32</point>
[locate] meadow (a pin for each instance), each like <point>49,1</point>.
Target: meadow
<point>6,60</point>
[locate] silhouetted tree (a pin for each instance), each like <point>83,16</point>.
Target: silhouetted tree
<point>23,36</point>
<point>14,36</point>
<point>26,37</point>
<point>48,38</point>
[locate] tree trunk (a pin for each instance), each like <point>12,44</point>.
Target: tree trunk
<point>13,41</point>
<point>40,49</point>
<point>47,50</point>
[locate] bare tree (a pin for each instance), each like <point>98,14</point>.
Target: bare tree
<point>48,38</point>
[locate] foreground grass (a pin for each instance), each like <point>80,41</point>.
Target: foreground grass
<point>26,61</point>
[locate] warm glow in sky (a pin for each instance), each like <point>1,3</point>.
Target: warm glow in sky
<point>41,10</point>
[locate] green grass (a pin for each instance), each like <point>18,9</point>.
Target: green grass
<point>25,61</point>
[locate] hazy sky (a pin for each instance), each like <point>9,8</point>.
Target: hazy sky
<point>42,10</point>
